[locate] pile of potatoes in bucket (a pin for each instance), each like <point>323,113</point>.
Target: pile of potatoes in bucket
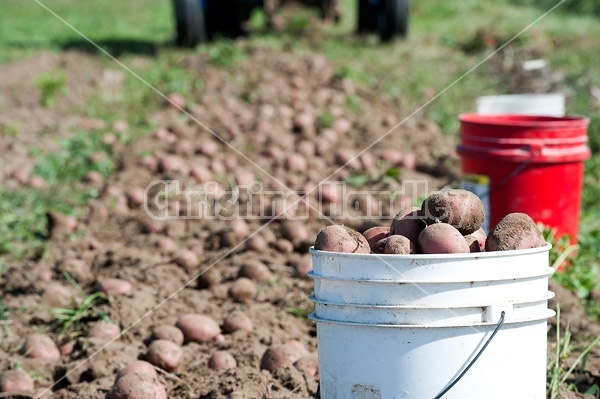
<point>448,221</point>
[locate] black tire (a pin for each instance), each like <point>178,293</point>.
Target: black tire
<point>190,23</point>
<point>393,19</point>
<point>367,17</point>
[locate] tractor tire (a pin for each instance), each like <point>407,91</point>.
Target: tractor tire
<point>393,19</point>
<point>190,23</point>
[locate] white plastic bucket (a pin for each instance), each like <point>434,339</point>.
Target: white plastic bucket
<point>552,104</point>
<point>405,326</point>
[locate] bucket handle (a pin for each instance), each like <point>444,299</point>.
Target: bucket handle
<point>472,362</point>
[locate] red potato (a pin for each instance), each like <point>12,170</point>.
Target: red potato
<point>408,223</point>
<point>164,354</point>
<point>67,349</point>
<point>94,178</point>
<point>284,246</point>
<point>16,381</point>
<point>330,192</point>
<point>239,228</point>
<point>166,245</point>
<point>167,332</point>
<point>200,174</point>
<point>138,367</point>
<point>114,286</point>
<point>222,360</point>
<point>399,245</point>
<point>237,321</point>
<point>187,259</point>
<point>457,207</point>
<point>209,278</point>
<point>374,234</point>
<point>245,178</point>
<point>514,231</point>
<point>242,290</point>
<point>209,148</point>
<point>472,243</point>
<point>308,365</point>
<point>197,327</point>
<point>480,236</point>
<point>278,356</point>
<point>303,266</point>
<point>442,238</point>
<point>294,231</point>
<point>104,331</point>
<point>37,182</point>
<point>172,163</point>
<point>255,270</point>
<point>341,239</point>
<point>184,147</point>
<point>176,100</point>
<point>137,386</point>
<point>40,346</point>
<point>256,243</point>
<point>136,196</point>
<point>296,163</point>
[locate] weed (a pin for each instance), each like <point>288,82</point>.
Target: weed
<point>225,54</point>
<point>556,374</point>
<point>50,84</point>
<point>4,321</point>
<point>299,312</point>
<point>68,322</point>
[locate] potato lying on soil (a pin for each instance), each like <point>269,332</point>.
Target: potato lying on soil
<point>256,270</point>
<point>138,367</point>
<point>514,231</point>
<point>40,346</point>
<point>374,234</point>
<point>221,360</point>
<point>209,278</point>
<point>164,354</point>
<point>408,224</point>
<point>341,239</point>
<point>137,386</point>
<point>114,286</point>
<point>308,365</point>
<point>278,356</point>
<point>242,290</point>
<point>16,381</point>
<point>237,321</point>
<point>442,238</point>
<point>457,207</point>
<point>167,332</point>
<point>197,327</point>
<point>104,331</point>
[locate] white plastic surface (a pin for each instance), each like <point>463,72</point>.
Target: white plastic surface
<point>403,326</point>
<point>392,362</point>
<point>526,104</point>
<point>484,266</point>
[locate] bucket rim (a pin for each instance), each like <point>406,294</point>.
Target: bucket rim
<point>547,314</point>
<point>547,272</point>
<point>418,257</point>
<point>522,120</point>
<point>546,297</point>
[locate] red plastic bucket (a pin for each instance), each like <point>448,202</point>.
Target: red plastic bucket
<point>523,163</point>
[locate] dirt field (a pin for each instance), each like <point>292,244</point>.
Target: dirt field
<point>289,115</point>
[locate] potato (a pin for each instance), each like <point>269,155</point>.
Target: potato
<point>472,243</point>
<point>237,321</point>
<point>138,367</point>
<point>242,290</point>
<point>197,327</point>
<point>16,381</point>
<point>480,236</point>
<point>308,365</point>
<point>514,231</point>
<point>400,245</point>
<point>170,333</point>
<point>442,238</point>
<point>341,239</point>
<point>278,356</point>
<point>294,231</point>
<point>222,360</point>
<point>255,270</point>
<point>408,223</point>
<point>164,354</point>
<point>187,259</point>
<point>104,331</point>
<point>374,234</point>
<point>40,346</point>
<point>303,266</point>
<point>114,286</point>
<point>460,208</point>
<point>209,278</point>
<point>137,386</point>
<point>256,243</point>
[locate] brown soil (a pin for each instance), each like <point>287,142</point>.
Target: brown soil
<point>255,107</point>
